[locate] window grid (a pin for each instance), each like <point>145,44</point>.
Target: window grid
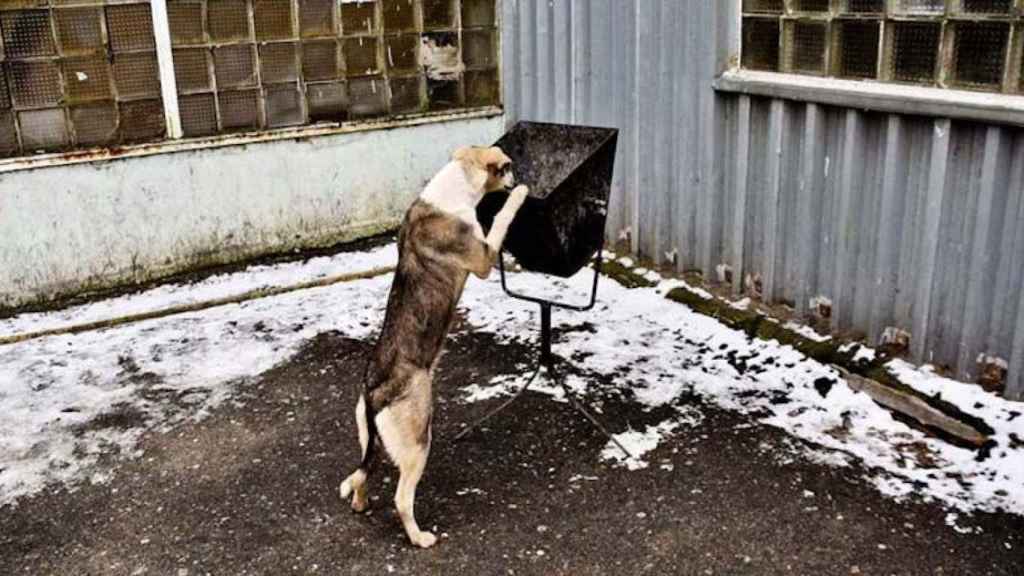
<point>78,74</point>
<point>962,44</point>
<point>85,73</point>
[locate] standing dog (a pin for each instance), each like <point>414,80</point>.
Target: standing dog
<point>439,245</point>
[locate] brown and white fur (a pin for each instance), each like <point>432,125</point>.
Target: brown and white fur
<point>439,245</point>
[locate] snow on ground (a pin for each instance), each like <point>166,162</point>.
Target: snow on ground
<point>640,442</point>
<point>162,370</point>
<point>220,286</point>
<point>806,332</point>
<point>660,354</point>
<point>863,354</point>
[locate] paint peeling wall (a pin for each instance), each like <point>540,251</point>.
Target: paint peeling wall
<point>64,229</point>
<point>906,224</point>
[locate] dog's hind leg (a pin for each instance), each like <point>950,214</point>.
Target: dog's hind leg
<point>355,484</point>
<point>405,432</point>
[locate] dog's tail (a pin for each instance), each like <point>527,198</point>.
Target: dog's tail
<point>357,478</point>
<point>371,435</point>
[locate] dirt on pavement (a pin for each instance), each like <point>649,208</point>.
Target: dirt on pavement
<point>252,489</point>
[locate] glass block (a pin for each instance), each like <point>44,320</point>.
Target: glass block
<point>43,130</point>
<point>316,17</point>
<point>399,15</point>
<point>278,62</point>
<point>761,43</point>
<point>273,19</point>
<point>142,121</point>
<point>5,94</point>
<point>857,48</point>
<point>192,69</point>
<point>327,102</point>
<point>769,6</point>
<point>862,6</point>
<point>94,124</point>
<point>136,75</point>
<point>239,110</point>
<point>482,88</point>
<point>986,6</point>
<point>979,51</point>
<point>930,7</point>
<point>227,20</point>
<point>358,18</point>
<point>915,49</point>
<point>79,29</point>
<point>811,5</point>
<point>34,83</point>
<point>361,56</point>
<point>1020,84</point>
<point>443,95</point>
<point>233,66</point>
<point>8,134</point>
<point>402,52</point>
<point>367,97</point>
<point>438,15</point>
<point>480,14</point>
<point>407,95</point>
<point>87,78</point>
<point>198,114</point>
<point>27,33</point>
<point>320,60</point>
<point>480,48</point>
<point>805,47</point>
<point>284,106</point>
<point>186,22</point>
<point>439,53</point>
<point>130,27</point>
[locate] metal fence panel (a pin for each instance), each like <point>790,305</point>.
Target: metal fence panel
<point>902,222</point>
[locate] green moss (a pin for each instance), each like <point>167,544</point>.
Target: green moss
<point>625,276</point>
<point>745,320</point>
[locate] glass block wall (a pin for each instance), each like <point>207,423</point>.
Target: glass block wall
<point>84,73</point>
<point>78,75</point>
<point>254,64</point>
<point>964,44</point>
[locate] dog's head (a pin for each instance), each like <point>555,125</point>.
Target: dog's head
<point>488,169</point>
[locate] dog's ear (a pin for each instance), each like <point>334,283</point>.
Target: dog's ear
<point>495,158</point>
<point>473,165</point>
<point>463,154</point>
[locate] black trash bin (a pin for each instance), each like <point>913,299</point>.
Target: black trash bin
<point>569,171</point>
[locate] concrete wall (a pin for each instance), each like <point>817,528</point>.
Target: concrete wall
<point>902,221</point>
<point>68,228</point>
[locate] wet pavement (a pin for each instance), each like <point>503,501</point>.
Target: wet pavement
<point>252,489</point>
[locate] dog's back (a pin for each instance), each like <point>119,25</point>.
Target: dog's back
<point>426,289</point>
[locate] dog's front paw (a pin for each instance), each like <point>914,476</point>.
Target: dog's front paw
<point>423,539</point>
<point>518,195</point>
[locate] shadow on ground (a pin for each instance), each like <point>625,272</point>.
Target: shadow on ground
<point>253,490</point>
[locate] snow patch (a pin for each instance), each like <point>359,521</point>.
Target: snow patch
<point>806,332</point>
<point>638,443</point>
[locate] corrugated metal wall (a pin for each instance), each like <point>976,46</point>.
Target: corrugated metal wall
<point>908,222</point>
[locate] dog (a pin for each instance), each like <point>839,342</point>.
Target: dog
<point>440,244</point>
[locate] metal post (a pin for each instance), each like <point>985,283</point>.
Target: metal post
<point>546,358</point>
<point>165,63</point>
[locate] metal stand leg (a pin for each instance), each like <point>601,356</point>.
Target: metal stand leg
<point>586,413</point>
<point>504,405</point>
<point>547,361</point>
